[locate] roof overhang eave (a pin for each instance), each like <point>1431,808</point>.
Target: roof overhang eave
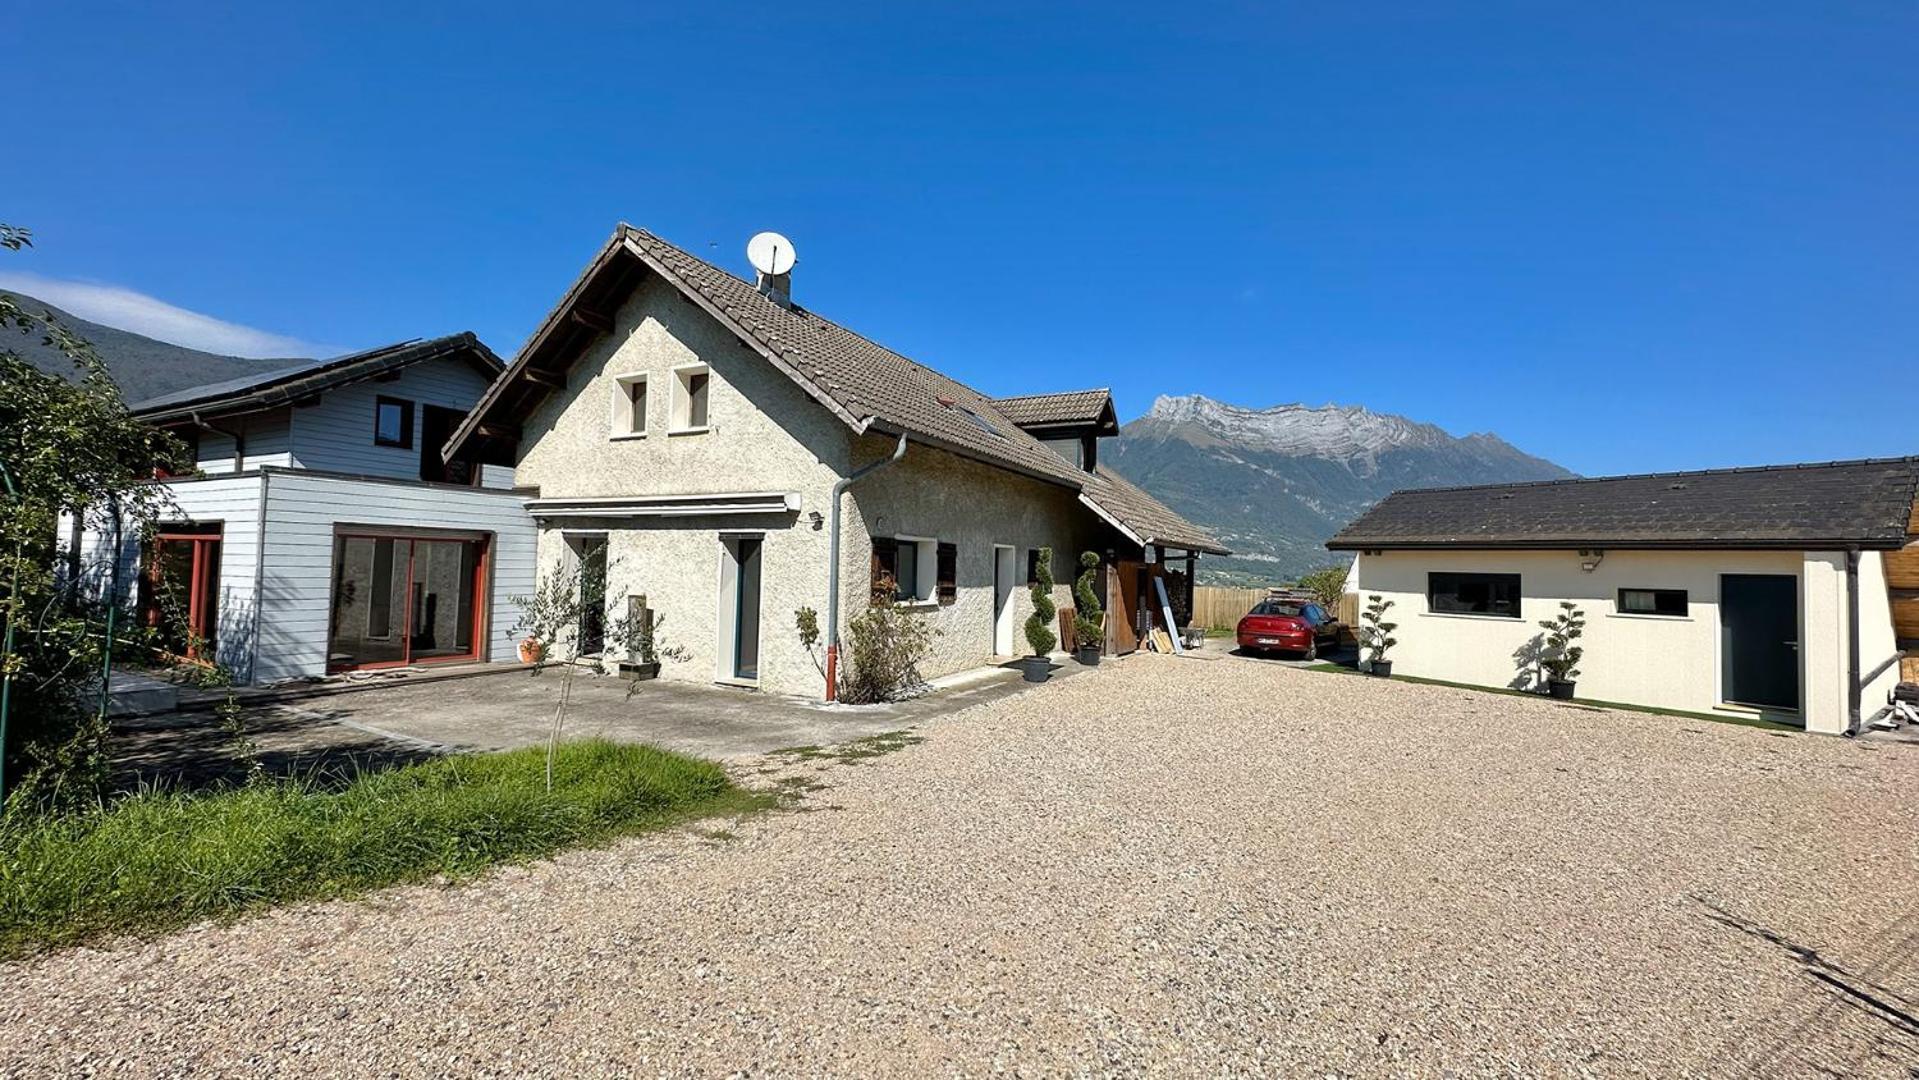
<point>1597,544</point>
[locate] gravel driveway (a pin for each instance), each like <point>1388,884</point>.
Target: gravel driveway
<point>1169,865</point>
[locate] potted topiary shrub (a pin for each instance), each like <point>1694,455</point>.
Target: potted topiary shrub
<point>1039,625</point>
<point>1376,635</point>
<point>1087,624</point>
<point>1561,655</point>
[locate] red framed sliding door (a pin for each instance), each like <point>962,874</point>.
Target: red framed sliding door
<point>406,598</point>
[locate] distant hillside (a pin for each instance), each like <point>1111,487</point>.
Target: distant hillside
<point>1274,484</point>
<point>142,366</point>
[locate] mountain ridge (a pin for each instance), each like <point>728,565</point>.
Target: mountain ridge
<point>144,367</point>
<point>1275,483</point>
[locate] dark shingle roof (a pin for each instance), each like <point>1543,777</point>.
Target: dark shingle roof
<point>1868,503</point>
<point>867,385</point>
<point>273,388</point>
<point>1069,409</point>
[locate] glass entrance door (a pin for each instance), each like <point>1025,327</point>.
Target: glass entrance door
<point>405,600</point>
<point>746,612</point>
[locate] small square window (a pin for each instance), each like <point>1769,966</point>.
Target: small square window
<point>692,393</point>
<point>393,422</point>
<point>1652,602</point>
<point>629,406</point>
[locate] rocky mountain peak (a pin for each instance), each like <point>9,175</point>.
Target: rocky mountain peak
<point>1339,432</point>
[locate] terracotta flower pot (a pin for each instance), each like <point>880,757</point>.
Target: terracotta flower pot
<point>531,650</point>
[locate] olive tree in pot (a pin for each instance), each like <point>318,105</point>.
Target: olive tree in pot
<point>1376,635</point>
<point>1087,624</point>
<point>1039,625</point>
<point>1561,655</point>
<point>553,610</point>
<point>637,634</point>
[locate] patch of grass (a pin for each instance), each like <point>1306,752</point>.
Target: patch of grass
<point>872,746</point>
<point>164,859</point>
<point>1773,726</point>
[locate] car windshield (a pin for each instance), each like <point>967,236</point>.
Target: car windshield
<point>1279,607</point>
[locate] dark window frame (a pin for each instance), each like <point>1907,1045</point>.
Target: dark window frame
<point>946,579</point>
<point>1444,594</point>
<point>1662,603</point>
<point>405,405</point>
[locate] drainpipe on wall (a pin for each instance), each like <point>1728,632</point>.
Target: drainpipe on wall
<point>833,568</point>
<point>239,441</point>
<point>1853,689</point>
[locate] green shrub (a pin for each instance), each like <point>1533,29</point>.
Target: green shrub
<point>1327,585</point>
<point>161,859</point>
<point>1086,621</point>
<point>1039,625</point>
<point>884,647</point>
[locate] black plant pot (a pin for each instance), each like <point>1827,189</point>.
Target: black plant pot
<point>1382,668</point>
<point>1559,689</point>
<point>641,672</point>
<point>1087,655</point>
<point>1036,668</point>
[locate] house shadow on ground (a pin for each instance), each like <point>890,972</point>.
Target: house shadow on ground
<point>195,750</point>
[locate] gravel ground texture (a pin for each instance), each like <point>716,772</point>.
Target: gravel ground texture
<point>1166,866</point>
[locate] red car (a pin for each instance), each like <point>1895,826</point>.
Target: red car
<point>1300,626</point>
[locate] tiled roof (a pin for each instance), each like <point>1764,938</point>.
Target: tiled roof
<point>1839,503</point>
<point>1146,517</point>
<point>867,385</point>
<point>278,387</point>
<point>1072,407</point>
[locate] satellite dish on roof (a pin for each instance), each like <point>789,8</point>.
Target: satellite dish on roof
<point>770,253</point>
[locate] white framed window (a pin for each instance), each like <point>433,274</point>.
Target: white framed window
<point>692,393</point>
<point>915,569</point>
<point>629,406</point>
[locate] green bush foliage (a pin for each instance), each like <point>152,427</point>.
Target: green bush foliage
<point>1086,615</point>
<point>1039,625</point>
<point>160,860</point>
<point>1327,585</point>
<point>882,652</point>
<point>1561,656</point>
<point>69,445</point>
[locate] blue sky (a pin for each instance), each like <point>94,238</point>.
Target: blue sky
<point>1623,236</point>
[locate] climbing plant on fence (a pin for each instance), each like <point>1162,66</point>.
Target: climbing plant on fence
<point>69,446</point>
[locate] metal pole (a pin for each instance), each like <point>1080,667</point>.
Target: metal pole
<point>113,603</point>
<point>6,655</point>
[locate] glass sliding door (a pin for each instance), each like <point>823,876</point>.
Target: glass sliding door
<point>405,599</point>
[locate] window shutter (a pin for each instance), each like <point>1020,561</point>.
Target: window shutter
<point>885,556</point>
<point>948,573</point>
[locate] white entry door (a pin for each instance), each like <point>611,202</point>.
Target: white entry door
<point>1005,571</point>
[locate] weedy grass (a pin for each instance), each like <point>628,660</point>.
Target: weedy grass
<point>159,860</point>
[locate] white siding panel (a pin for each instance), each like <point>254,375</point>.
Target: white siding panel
<point>336,434</point>
<point>269,441</point>
<point>303,512</point>
<point>234,502</point>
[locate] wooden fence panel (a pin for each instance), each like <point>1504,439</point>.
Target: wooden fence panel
<point>1214,606</point>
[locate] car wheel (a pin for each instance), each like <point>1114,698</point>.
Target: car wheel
<point>1312,651</point>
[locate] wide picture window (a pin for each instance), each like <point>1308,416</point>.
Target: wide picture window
<point>1474,594</point>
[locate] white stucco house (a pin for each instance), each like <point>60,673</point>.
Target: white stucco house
<point>1788,593</point>
<point>729,457</point>
<point>322,529</point>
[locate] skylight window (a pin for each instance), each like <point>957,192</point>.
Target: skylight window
<point>981,422</point>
